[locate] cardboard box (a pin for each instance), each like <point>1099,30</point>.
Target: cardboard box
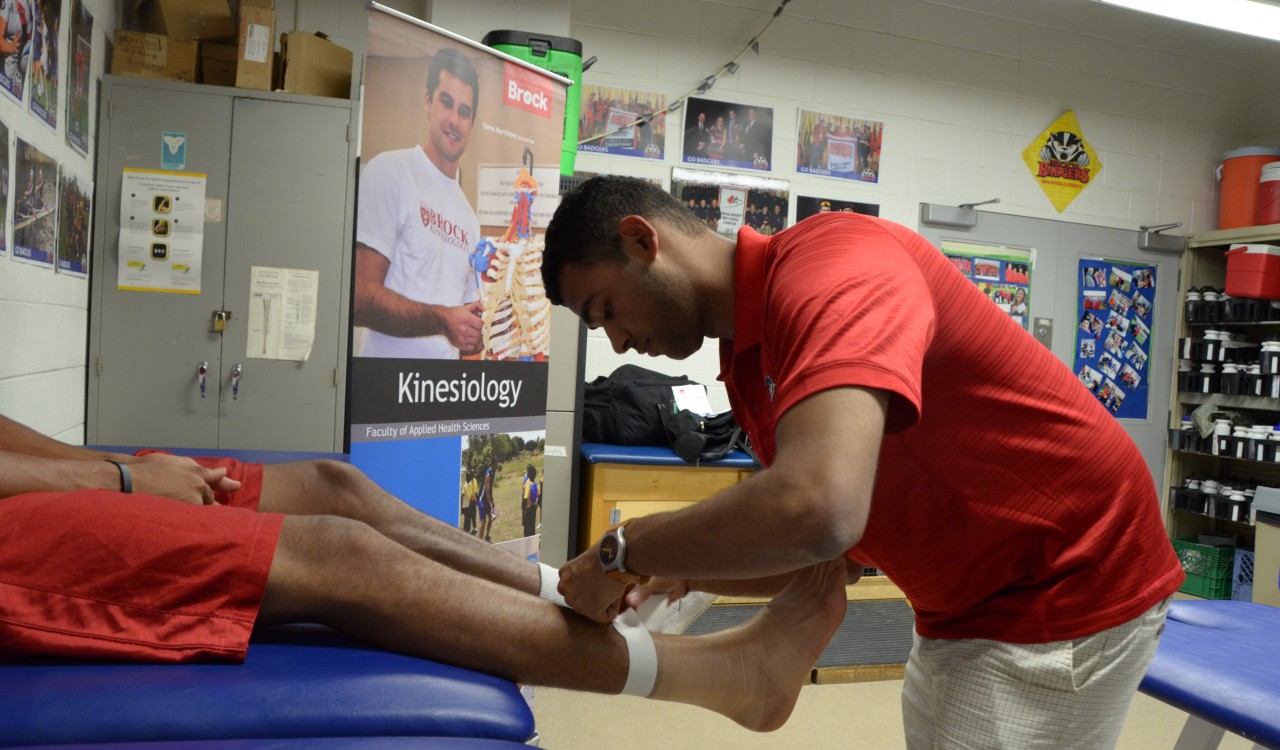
<point>154,56</point>
<point>217,64</point>
<point>188,19</point>
<point>314,65</point>
<point>255,48</point>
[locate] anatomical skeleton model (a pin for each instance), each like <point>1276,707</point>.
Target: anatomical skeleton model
<point>517,314</point>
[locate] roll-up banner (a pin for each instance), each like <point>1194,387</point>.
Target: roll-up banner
<point>459,175</point>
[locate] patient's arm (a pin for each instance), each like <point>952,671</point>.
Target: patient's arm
<point>21,473</point>
<point>188,482</point>
<point>18,438</point>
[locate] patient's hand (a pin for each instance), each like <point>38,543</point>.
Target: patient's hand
<point>181,479</point>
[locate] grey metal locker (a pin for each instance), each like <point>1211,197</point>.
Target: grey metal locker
<point>281,169</point>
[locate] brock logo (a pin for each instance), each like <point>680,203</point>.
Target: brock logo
<point>526,90</point>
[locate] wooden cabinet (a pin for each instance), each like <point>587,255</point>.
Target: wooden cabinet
<point>1238,463</point>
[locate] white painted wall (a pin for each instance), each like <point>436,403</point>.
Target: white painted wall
<point>44,315</point>
<point>962,87</point>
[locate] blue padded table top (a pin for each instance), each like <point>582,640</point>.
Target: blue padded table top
<point>655,455</point>
<point>296,682</point>
<point>1218,660</point>
<point>246,456</point>
<point>306,743</point>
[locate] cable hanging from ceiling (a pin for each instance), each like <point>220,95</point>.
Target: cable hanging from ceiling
<point>703,86</point>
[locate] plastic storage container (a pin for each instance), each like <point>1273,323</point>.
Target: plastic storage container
<point>1253,271</point>
<point>1239,172</point>
<point>562,55</point>
<point>1208,568</point>
<point>1269,194</point>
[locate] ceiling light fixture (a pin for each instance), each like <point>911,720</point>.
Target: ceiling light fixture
<point>1261,19</point>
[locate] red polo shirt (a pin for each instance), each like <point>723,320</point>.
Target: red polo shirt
<point>1008,502</point>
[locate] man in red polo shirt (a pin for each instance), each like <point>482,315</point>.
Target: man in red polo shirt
<point>904,422</point>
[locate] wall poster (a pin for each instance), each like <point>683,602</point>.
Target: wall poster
<point>35,229</point>
<point>1061,161</point>
<point>78,77</point>
<point>75,207</point>
<point>725,201</point>
<point>459,175</point>
<point>1113,337</point>
<point>608,124</point>
<point>842,147</point>
<point>1001,273</point>
<point>725,134</point>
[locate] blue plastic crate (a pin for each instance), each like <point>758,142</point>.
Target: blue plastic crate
<point>1242,576</point>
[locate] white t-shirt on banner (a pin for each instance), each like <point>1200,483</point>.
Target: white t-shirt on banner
<point>418,218</point>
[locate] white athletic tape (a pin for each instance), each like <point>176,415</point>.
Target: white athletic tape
<point>642,656</point>
<point>549,586</point>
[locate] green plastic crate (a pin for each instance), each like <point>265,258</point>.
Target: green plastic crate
<point>1208,569</point>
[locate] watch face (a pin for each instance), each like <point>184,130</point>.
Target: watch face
<point>609,551</point>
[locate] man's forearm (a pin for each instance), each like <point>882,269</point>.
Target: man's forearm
<point>16,437</point>
<point>394,314</point>
<point>20,474</point>
<point>764,527</point>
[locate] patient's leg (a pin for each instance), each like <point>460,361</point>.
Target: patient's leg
<point>333,488</point>
<point>346,575</point>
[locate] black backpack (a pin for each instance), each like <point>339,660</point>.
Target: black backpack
<point>635,406</point>
<point>625,407</point>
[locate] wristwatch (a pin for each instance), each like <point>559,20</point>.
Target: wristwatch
<point>613,555</point>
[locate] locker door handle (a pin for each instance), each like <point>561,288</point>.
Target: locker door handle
<point>202,373</point>
<point>236,371</point>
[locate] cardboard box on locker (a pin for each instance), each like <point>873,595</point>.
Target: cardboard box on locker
<point>255,47</point>
<point>217,64</point>
<point>154,56</point>
<point>188,19</point>
<point>314,65</point>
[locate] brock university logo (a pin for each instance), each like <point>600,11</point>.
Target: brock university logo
<point>527,91</point>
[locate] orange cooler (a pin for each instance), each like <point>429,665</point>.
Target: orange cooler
<point>1254,271</point>
<point>1238,202</point>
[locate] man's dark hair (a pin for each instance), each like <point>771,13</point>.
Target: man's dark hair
<point>456,63</point>
<point>584,229</point>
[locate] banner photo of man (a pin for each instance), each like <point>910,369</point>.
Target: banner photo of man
<point>1003,274</point>
<point>459,174</point>
<point>834,146</point>
<point>807,205</point>
<point>622,122</point>
<point>44,62</point>
<point>1113,339</point>
<point>726,202</point>
<point>17,26</point>
<point>35,202</point>
<point>725,134</point>
<point>78,77</point>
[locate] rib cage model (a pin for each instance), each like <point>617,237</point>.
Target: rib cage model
<point>517,313</point>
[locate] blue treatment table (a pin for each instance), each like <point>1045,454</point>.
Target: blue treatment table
<point>298,684</point>
<point>308,743</point>
<point>1220,662</point>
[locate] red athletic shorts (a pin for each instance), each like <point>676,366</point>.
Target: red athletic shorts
<point>98,574</point>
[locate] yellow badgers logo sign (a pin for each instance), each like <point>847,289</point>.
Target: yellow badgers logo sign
<point>1062,161</point>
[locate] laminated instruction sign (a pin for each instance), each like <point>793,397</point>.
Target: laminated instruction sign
<point>161,231</point>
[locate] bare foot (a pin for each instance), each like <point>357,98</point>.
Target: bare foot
<point>753,673</point>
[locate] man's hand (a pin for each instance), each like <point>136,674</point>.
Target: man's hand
<point>182,479</point>
<point>589,590</point>
<point>463,325</point>
<point>670,588</point>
